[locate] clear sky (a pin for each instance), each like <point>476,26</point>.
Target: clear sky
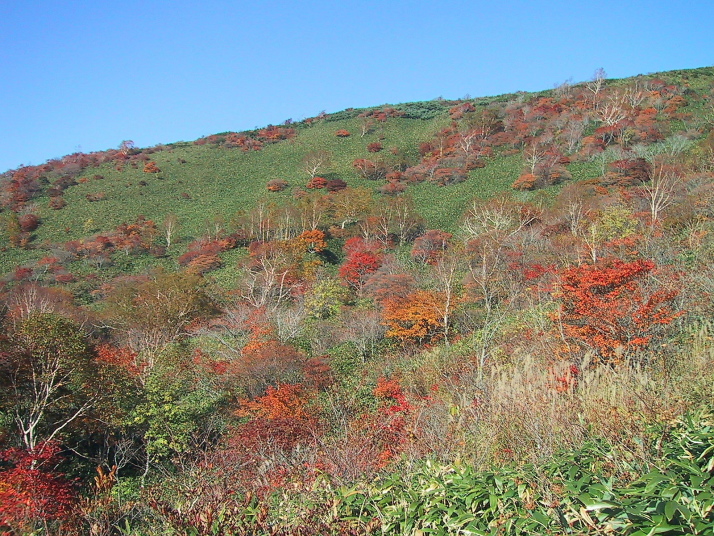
<point>85,75</point>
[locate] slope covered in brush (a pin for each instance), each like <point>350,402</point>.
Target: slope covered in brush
<point>302,329</point>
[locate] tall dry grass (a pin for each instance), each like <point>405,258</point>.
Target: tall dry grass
<point>527,408</point>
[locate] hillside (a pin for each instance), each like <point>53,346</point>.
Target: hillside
<point>484,316</point>
<point>215,178</point>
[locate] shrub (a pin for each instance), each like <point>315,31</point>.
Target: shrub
<point>317,183</point>
<point>65,278</point>
<point>430,246</point>
<point>277,185</point>
<point>99,196</point>
<point>57,203</point>
<point>29,222</point>
<point>393,188</point>
<point>151,167</point>
<point>370,169</point>
<point>447,176</point>
<point>335,185</point>
<point>609,308</point>
<point>527,181</point>
<point>204,263</point>
<point>273,133</point>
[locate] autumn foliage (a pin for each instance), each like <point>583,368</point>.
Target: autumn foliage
<point>370,169</point>
<point>286,401</point>
<point>151,167</point>
<point>609,308</point>
<point>317,183</point>
<point>362,260</point>
<point>32,494</point>
<point>277,185</point>
<point>511,331</point>
<point>431,246</point>
<point>416,318</point>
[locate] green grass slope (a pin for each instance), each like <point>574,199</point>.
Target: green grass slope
<point>200,182</point>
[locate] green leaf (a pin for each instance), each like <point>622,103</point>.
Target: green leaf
<point>594,504</point>
<point>670,509</point>
<point>541,518</point>
<point>652,480</point>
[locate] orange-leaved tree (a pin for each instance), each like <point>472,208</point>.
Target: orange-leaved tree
<point>267,446</point>
<point>610,309</point>
<point>286,401</point>
<point>418,318</point>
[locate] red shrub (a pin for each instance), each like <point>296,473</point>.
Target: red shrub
<point>358,266</point>
<point>273,133</point>
<point>335,185</point>
<point>527,181</point>
<point>317,183</point>
<point>362,260</point>
<point>393,188</point>
<point>446,176</point>
<point>607,307</point>
<point>28,222</point>
<point>65,278</point>
<point>22,273</point>
<point>32,493</point>
<point>202,255</point>
<point>99,196</point>
<point>383,287</point>
<point>204,263</point>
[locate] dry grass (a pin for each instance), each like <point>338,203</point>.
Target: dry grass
<point>529,408</point>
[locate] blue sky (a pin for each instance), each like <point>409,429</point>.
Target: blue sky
<point>85,75</point>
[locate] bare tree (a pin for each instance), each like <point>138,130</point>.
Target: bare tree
<point>564,89</point>
<point>499,215</point>
<point>171,226</point>
<point>467,140</point>
<point>312,209</point>
<point>533,156</point>
<point>613,109</point>
<point>405,220</point>
<point>267,285</point>
<point>572,134</point>
<point>659,191</point>
<point>366,126</point>
<point>575,215</point>
<point>364,329</point>
<point>446,272</point>
<point>289,322</point>
<point>598,81</point>
<point>635,93</point>
<point>351,205</point>
<point>126,146</point>
<point>49,359</point>
<point>316,161</point>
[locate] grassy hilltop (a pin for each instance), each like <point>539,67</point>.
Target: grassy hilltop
<point>212,179</point>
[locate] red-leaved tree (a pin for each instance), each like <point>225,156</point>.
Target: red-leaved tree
<point>362,260</point>
<point>610,309</point>
<point>32,495</point>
